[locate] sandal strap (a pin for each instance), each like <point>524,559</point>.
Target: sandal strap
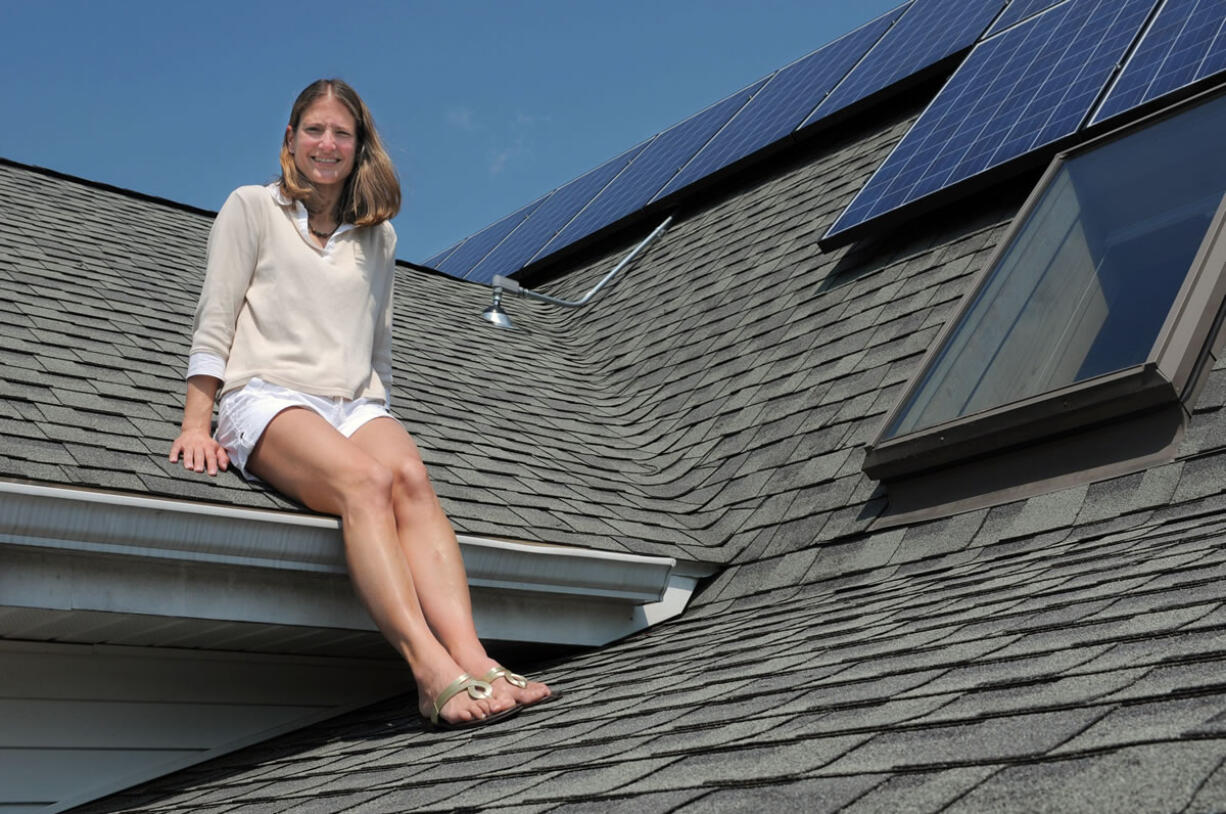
<point>477,689</point>
<point>498,671</point>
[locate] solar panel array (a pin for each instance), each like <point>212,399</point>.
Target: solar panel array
<point>751,118</point>
<point>470,252</point>
<point>518,248</point>
<point>1043,70</point>
<point>654,167</point>
<point>786,101</point>
<point>1024,88</point>
<point>1185,43</point>
<point>930,31</point>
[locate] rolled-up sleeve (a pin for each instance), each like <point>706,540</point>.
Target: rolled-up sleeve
<point>206,364</point>
<point>233,250</point>
<point>381,353</point>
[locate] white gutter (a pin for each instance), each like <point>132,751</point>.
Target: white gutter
<point>70,550</point>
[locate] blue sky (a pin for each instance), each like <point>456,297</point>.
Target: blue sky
<point>484,105</point>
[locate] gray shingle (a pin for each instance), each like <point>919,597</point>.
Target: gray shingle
<point>656,801</point>
<point>1200,477</point>
<point>1144,778</point>
<point>413,798</point>
<point>821,794</point>
<point>1211,796</point>
<point>920,791</point>
<point>995,740</point>
<point>1192,677</point>
<point>1136,724</point>
<point>744,765</point>
<point>586,783</point>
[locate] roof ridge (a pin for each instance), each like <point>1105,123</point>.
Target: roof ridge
<point>102,185</point>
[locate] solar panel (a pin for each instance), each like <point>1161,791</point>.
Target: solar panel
<point>1185,43</point>
<point>927,32</point>
<point>651,169</point>
<point>788,97</point>
<point>470,252</point>
<point>434,261</point>
<point>1016,92</point>
<point>558,209</point>
<point>1019,10</point>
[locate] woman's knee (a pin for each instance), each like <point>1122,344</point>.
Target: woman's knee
<point>368,483</point>
<point>411,481</point>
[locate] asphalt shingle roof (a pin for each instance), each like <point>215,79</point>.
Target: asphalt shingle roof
<point>1077,673</point>
<point>1062,652</point>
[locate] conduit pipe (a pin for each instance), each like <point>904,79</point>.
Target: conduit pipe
<point>499,317</point>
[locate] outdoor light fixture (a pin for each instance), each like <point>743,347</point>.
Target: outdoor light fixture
<point>496,315</point>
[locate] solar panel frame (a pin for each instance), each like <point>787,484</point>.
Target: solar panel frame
<point>557,210</point>
<point>651,170</point>
<point>1018,11</point>
<point>909,47</point>
<point>786,100</point>
<point>1183,45</point>
<point>1062,58</point>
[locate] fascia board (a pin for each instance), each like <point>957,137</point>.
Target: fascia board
<point>135,539</point>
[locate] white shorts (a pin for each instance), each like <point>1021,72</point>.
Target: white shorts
<point>244,414</point>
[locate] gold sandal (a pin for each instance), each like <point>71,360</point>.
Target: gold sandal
<point>515,680</point>
<point>477,690</point>
<point>498,671</point>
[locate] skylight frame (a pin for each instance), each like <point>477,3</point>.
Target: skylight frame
<point>1168,374</point>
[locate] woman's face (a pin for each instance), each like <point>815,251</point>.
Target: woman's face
<point>324,143</point>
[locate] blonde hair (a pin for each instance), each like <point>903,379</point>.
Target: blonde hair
<point>372,191</point>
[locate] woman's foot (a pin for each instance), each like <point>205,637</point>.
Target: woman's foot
<point>467,704</point>
<point>510,686</point>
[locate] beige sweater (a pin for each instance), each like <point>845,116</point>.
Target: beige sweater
<point>277,306</point>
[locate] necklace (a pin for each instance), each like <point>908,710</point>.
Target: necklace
<point>316,232</point>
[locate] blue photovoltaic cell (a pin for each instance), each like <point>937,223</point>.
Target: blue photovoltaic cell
<point>651,170</point>
<point>788,97</point>
<point>1017,91</point>
<point>1186,42</point>
<point>470,252</point>
<point>1019,10</point>
<point>929,31</point>
<point>557,210</point>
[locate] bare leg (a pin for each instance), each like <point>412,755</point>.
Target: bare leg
<point>430,547</point>
<point>301,455</point>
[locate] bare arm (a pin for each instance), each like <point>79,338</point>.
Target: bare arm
<point>200,451</point>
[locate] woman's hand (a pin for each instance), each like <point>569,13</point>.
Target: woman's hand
<point>200,451</point>
<point>195,443</point>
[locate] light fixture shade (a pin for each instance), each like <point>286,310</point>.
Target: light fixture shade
<point>497,316</point>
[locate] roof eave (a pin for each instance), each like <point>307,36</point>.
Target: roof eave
<point>68,551</point>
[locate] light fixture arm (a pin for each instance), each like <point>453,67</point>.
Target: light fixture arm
<point>506,284</point>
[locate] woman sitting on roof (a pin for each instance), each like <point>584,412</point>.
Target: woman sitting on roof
<point>294,326</point>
